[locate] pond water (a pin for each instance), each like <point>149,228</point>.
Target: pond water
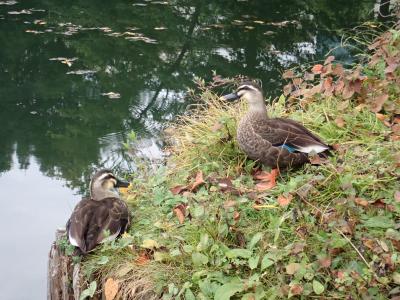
<point>77,76</point>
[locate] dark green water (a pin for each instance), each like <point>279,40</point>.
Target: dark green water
<point>56,126</point>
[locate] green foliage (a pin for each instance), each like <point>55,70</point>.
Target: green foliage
<point>215,236</point>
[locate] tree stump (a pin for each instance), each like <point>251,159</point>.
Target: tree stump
<point>63,277</point>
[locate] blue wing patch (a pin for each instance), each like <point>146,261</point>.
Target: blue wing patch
<point>288,148</point>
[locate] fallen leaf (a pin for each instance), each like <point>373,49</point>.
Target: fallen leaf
<point>197,182</point>
<point>397,196</point>
<point>236,216</point>
<point>110,288</point>
<point>288,74</point>
<point>361,202</point>
<point>180,212</point>
<point>296,289</point>
<point>284,201</point>
<point>150,244</point>
<point>292,268</point>
<point>378,103</point>
<point>380,117</point>
<point>229,203</point>
<point>298,248</point>
<point>178,189</point>
<point>259,206</point>
<point>325,262</point>
<point>329,59</point>
<point>340,122</point>
<point>317,69</point>
<point>142,259</point>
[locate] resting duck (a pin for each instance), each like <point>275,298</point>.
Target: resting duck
<point>102,212</point>
<point>277,143</point>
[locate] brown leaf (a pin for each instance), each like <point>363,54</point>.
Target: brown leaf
<point>180,212</point>
<point>142,259</point>
<point>296,289</point>
<point>292,268</point>
<point>288,74</point>
<point>380,117</point>
<point>361,202</point>
<point>378,103</point>
<point>329,59</point>
<point>339,86</point>
<point>391,68</point>
<point>348,91</point>
<point>236,215</point>
<point>340,122</point>
<point>396,129</point>
<point>229,203</point>
<point>309,76</point>
<point>328,87</point>
<point>178,189</point>
<point>317,69</point>
<point>197,182</point>
<point>325,262</point>
<point>284,201</point>
<point>110,288</point>
<point>287,89</point>
<point>338,70</point>
<point>298,248</point>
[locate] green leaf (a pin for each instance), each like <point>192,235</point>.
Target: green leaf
<point>189,295</point>
<point>203,245</point>
<point>253,262</point>
<point>234,253</point>
<point>318,287</point>
<point>226,291</point>
<point>89,292</point>
<point>103,260</point>
<point>379,222</point>
<point>199,259</point>
<point>255,239</point>
<point>266,262</point>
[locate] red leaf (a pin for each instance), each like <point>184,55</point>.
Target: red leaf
<point>142,259</point>
<point>338,70</point>
<point>284,201</point>
<point>180,212</point>
<point>317,69</point>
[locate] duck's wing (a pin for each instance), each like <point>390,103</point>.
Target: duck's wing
<point>288,132</point>
<point>109,220</point>
<point>78,223</point>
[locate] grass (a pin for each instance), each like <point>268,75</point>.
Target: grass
<point>202,230</point>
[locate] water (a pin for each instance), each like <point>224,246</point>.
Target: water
<point>57,58</point>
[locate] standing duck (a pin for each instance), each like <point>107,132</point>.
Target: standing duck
<point>101,217</point>
<point>278,142</point>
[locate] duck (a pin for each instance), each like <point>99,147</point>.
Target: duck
<point>102,216</point>
<point>275,142</point>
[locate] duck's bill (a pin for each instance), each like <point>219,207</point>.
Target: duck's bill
<point>230,97</point>
<point>121,183</point>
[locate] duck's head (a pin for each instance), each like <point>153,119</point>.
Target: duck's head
<point>103,185</point>
<point>251,92</point>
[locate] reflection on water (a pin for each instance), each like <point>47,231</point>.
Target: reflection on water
<point>77,77</point>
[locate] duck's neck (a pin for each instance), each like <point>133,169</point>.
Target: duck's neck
<point>258,107</point>
<point>101,193</point>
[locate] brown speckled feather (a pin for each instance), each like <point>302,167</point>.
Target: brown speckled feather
<point>259,136</point>
<point>90,219</point>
